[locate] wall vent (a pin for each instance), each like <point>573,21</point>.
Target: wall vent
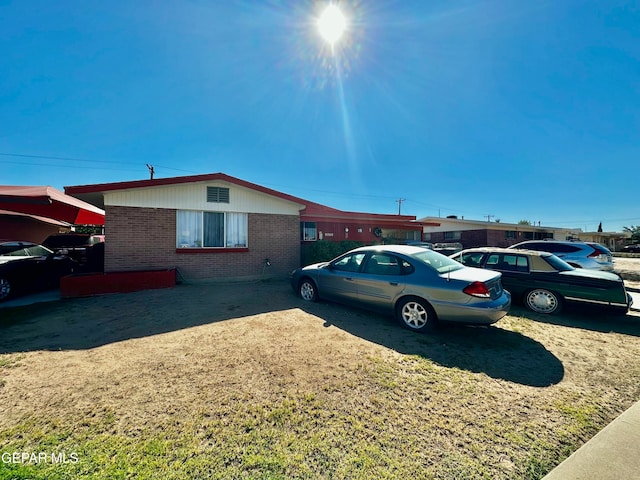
<point>217,195</point>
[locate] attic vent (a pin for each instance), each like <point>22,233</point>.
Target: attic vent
<point>217,195</point>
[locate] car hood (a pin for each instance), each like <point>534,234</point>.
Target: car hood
<point>595,274</point>
<point>8,259</point>
<point>471,274</point>
<point>315,266</point>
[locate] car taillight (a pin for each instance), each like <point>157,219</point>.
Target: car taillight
<point>598,253</point>
<point>477,289</point>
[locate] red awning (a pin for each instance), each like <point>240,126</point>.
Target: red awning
<point>50,203</point>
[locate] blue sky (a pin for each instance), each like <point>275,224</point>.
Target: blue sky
<point>514,109</point>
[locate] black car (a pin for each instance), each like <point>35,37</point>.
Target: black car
<point>545,282</point>
<point>85,248</point>
<point>631,248</point>
<point>26,267</point>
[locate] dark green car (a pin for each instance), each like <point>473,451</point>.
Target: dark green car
<point>545,282</point>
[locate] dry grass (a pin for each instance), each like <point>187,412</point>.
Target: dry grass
<point>247,381</point>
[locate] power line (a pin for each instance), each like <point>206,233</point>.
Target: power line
<point>72,159</point>
<point>132,168</point>
<point>76,167</point>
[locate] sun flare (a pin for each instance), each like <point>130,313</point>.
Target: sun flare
<point>332,24</point>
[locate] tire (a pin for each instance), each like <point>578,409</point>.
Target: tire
<point>307,290</point>
<point>544,301</point>
<point>5,289</point>
<point>416,314</point>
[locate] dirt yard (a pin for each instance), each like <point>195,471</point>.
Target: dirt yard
<point>343,393</point>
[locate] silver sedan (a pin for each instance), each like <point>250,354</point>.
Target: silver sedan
<point>419,286</point>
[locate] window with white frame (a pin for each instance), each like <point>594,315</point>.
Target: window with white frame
<point>308,231</point>
<point>196,229</point>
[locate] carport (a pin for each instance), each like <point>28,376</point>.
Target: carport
<point>46,201</point>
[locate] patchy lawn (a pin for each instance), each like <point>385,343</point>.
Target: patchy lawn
<point>247,381</point>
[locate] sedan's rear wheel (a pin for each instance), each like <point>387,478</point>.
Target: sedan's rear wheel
<point>416,314</point>
<point>5,289</point>
<point>307,290</point>
<point>543,301</point>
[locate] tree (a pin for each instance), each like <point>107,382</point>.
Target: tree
<point>524,222</point>
<point>635,233</point>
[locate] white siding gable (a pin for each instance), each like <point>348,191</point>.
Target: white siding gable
<point>193,196</point>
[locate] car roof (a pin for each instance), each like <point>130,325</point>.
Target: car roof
<point>403,249</point>
<point>17,242</point>
<point>505,250</point>
<point>551,242</point>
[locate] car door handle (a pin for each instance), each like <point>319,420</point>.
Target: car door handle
<point>349,279</point>
<point>395,284</point>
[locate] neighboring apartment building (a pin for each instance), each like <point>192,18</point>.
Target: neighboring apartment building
<point>478,233</point>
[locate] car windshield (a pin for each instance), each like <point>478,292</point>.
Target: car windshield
<point>557,263</point>
<point>13,249</point>
<point>437,261</point>
<point>23,250</point>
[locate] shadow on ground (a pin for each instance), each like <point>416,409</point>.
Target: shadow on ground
<point>87,323</point>
<point>594,319</point>
<point>498,353</point>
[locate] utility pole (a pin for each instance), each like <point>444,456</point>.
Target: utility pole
<point>489,217</point>
<point>151,170</point>
<point>399,201</point>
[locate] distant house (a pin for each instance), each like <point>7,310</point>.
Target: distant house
<point>477,233</point>
<point>325,223</point>
<point>614,241</point>
<point>218,226</point>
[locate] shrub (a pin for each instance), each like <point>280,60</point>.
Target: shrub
<point>324,250</point>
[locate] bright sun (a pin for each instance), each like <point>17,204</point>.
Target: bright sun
<point>332,24</point>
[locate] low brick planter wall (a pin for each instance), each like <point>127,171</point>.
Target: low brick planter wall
<point>86,285</point>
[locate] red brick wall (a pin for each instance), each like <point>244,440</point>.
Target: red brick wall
<point>479,238</point>
<point>474,238</point>
<point>145,239</point>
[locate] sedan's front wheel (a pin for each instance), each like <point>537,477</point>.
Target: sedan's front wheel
<point>5,289</point>
<point>543,301</point>
<point>416,314</point>
<point>307,290</point>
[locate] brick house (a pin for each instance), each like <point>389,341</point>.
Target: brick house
<point>319,222</point>
<point>218,226</point>
<point>205,226</point>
